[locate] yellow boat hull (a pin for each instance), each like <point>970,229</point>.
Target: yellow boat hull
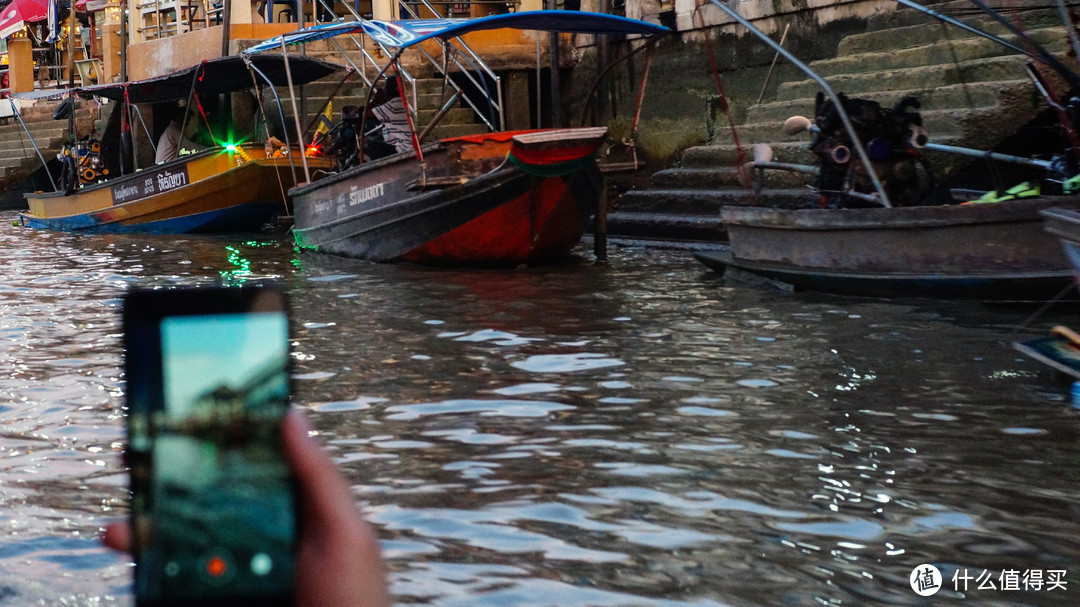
<point>213,191</point>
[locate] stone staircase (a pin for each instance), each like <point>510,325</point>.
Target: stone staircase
<point>974,93</point>
<point>20,167</point>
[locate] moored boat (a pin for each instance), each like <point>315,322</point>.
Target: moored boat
<point>884,227</point>
<point>220,190</point>
<point>470,205</point>
<point>228,188</point>
<point>502,198</point>
<point>982,251</point>
<point>1065,224</point>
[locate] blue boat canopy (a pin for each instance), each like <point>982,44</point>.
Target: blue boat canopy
<point>400,34</point>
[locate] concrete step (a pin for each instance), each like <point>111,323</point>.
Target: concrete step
<point>413,61</point>
<point>971,95</point>
<point>42,111</point>
<point>356,87</point>
<point>942,126</point>
<point>724,154</point>
<point>1033,14</point>
<point>928,31</point>
<point>324,88</point>
<point>943,52</point>
<point>445,131</point>
<point>705,178</point>
<point>705,203</point>
<point>458,115</point>
<point>667,226</point>
<point>726,177</point>
<point>992,69</point>
<point>19,140</point>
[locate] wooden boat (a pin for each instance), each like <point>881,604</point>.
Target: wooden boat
<point>229,188</point>
<point>503,198</point>
<point>1060,350</point>
<point>470,206</point>
<point>983,251</point>
<point>1065,224</point>
<point>869,156</point>
<point>219,190</point>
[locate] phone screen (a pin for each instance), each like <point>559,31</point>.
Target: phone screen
<point>213,507</point>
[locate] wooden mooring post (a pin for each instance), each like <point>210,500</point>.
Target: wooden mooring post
<point>600,223</point>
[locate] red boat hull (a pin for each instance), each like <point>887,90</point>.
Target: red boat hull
<point>537,225</point>
<point>471,206</point>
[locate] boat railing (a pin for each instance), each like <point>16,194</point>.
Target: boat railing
<point>457,54</point>
<point>357,41</point>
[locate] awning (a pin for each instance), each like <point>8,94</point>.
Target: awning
<point>20,12</point>
<point>214,76</point>
<point>413,31</point>
<point>91,6</point>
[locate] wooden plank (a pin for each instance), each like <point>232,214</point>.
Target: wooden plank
<point>550,139</point>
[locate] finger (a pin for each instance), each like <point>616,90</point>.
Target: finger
<point>324,493</point>
<point>117,536</point>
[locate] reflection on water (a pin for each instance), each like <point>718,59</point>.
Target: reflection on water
<point>629,434</point>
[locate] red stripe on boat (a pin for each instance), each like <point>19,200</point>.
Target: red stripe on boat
<point>536,225</point>
<point>554,155</point>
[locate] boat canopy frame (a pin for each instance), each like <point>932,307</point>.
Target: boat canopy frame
<point>209,77</point>
<point>402,35</point>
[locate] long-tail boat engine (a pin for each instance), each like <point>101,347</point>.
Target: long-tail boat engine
<point>89,160</point>
<point>893,139</point>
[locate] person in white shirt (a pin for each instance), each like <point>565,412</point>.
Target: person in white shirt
<point>391,113</point>
<point>172,140</point>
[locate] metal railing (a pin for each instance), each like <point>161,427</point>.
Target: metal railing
<point>469,65</point>
<point>163,18</point>
<point>456,55</point>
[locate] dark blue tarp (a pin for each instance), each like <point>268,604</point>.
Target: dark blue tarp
<point>214,76</point>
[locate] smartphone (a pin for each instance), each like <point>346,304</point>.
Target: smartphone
<point>213,509</point>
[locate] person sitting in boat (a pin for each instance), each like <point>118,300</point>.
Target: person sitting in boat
<point>176,139</point>
<point>346,136</point>
<point>389,110</point>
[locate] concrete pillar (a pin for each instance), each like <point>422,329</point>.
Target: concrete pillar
<point>20,63</point>
<point>516,101</point>
<point>241,11</point>
<point>110,43</point>
<point>134,21</point>
<point>384,10</point>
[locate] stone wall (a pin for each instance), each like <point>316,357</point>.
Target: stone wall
<point>682,106</point>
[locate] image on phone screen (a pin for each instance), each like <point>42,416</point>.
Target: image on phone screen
<point>213,504</point>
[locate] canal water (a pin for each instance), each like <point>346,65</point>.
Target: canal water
<point>635,433</point>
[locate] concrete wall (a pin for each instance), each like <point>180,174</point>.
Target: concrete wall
<point>158,57</point>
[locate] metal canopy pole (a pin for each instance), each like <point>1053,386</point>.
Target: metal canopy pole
<point>296,115</point>
<point>556,84</point>
<point>18,116</point>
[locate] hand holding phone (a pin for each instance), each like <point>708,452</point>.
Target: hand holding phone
<point>337,561</point>
<point>213,498</point>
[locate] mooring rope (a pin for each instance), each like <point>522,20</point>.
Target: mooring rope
<point>740,157</point>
